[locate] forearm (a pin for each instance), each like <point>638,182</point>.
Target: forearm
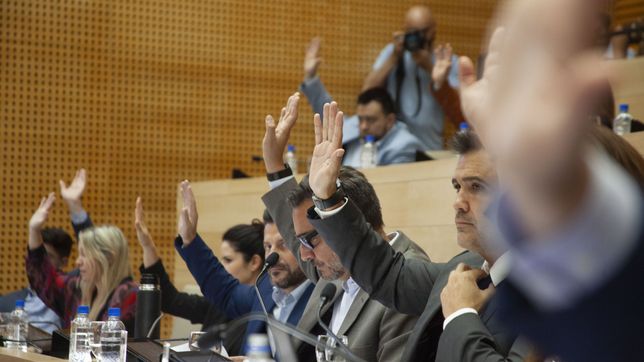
<point>449,100</point>
<point>35,238</point>
<point>378,76</point>
<point>150,255</point>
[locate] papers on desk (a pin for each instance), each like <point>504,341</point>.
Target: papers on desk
<point>185,348</point>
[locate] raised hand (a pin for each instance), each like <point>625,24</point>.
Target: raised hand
<point>442,64</point>
<point>38,220</point>
<point>72,195</point>
<point>188,216</point>
<point>312,59</point>
<point>276,136</point>
<point>328,152</point>
<point>150,253</point>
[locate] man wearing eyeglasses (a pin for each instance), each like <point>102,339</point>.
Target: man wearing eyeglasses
<point>374,332</point>
<point>419,77</point>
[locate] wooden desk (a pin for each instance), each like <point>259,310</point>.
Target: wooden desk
<point>10,355</point>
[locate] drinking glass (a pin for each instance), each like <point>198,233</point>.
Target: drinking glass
<point>330,354</point>
<point>320,348</point>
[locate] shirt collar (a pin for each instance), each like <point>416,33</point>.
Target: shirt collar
<point>282,298</point>
<point>350,287</point>
<point>393,237</point>
<point>499,270</point>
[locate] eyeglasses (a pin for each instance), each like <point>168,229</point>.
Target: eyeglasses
<point>306,238</point>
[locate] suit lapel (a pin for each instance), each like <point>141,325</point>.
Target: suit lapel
<point>354,311</point>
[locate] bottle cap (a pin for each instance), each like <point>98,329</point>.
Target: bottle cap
<point>83,309</point>
<point>114,312</point>
<point>463,126</point>
<point>623,108</point>
<point>20,303</point>
<point>370,138</point>
<point>290,148</point>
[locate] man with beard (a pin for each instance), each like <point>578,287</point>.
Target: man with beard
<point>285,291</point>
<point>374,332</point>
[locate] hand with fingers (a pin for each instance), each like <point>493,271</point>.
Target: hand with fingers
<point>150,252</point>
<point>38,220</point>
<point>462,291</point>
<point>73,193</point>
<point>442,65</point>
<point>187,226</point>
<point>276,136</point>
<point>328,152</point>
<point>312,59</point>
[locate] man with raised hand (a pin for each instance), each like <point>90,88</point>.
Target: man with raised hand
<point>375,333</point>
<point>571,217</point>
<point>457,319</point>
<point>285,290</point>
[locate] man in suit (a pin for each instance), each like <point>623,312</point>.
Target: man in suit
<point>285,290</point>
<point>457,320</point>
<point>375,333</point>
<point>375,116</point>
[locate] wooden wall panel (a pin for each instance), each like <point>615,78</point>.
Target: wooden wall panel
<point>146,93</point>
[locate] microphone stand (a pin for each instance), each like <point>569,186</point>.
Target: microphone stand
<point>213,335</point>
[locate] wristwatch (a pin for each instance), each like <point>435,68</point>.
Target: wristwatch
<point>274,176</point>
<point>337,197</point>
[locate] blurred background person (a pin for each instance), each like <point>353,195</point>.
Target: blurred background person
<point>242,257</point>
<point>105,279</point>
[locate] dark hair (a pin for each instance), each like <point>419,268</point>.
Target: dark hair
<point>247,239</point>
<point>355,186</point>
<point>465,141</point>
<point>621,151</point>
<point>379,95</point>
<point>268,219</point>
<point>59,239</point>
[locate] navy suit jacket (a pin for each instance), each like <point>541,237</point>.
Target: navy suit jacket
<point>229,295</point>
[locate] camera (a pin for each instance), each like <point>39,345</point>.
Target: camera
<point>414,40</point>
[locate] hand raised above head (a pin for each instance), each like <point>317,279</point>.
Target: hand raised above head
<point>442,64</point>
<point>142,232</point>
<point>187,226</point>
<point>328,152</point>
<point>39,217</point>
<point>312,59</point>
<point>276,136</point>
<point>73,193</point>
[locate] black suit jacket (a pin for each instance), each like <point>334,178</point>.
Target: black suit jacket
<point>413,287</point>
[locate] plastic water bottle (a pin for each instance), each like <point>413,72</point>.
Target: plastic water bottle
<point>113,343</point>
<point>79,350</point>
<point>19,327</point>
<point>463,126</point>
<point>258,349</point>
<point>291,159</point>
<point>368,152</point>
<point>622,123</point>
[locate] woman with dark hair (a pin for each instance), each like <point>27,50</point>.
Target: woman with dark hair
<point>244,254</point>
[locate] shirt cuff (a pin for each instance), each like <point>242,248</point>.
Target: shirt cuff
<point>326,214</point>
<point>79,217</point>
<point>307,82</point>
<point>277,183</point>
<point>458,313</point>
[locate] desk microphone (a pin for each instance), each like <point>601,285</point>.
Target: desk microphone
<point>215,334</point>
<point>327,295</point>
<point>269,263</point>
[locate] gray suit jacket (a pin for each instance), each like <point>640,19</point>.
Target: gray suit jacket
<point>414,286</point>
<point>375,333</point>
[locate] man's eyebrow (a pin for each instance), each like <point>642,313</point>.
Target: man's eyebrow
<point>475,178</point>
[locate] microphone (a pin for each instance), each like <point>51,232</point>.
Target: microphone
<point>269,263</point>
<point>327,294</point>
<point>216,333</point>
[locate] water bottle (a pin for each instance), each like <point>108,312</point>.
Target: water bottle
<point>79,350</point>
<point>19,327</point>
<point>369,152</point>
<point>622,123</point>
<point>148,308</point>
<point>113,343</point>
<point>463,126</point>
<point>290,159</point>
<point>258,349</point>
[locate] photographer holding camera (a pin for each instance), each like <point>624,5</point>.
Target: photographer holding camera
<point>420,78</point>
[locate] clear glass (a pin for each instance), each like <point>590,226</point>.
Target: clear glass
<point>320,348</point>
<point>194,337</point>
<point>95,338</point>
<point>331,355</point>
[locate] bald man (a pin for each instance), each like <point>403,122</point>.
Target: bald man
<point>419,77</point>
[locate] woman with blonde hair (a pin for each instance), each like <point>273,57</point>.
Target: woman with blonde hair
<point>105,278</point>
